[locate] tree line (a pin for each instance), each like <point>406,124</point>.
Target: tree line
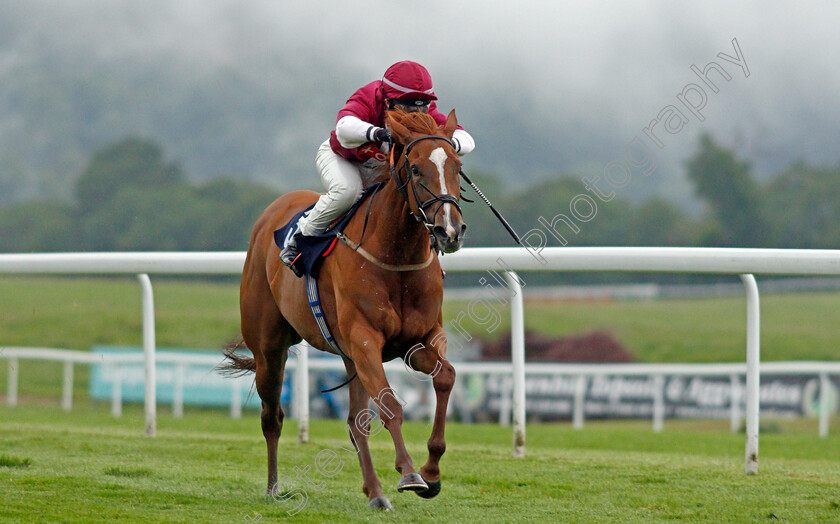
<point>130,199</point>
<point>796,208</point>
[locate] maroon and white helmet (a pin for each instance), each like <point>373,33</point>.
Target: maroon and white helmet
<point>408,80</point>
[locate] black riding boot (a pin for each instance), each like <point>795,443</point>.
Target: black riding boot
<point>291,255</point>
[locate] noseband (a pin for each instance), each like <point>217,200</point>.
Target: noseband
<point>409,181</point>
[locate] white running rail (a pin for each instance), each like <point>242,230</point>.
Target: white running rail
<point>737,261</point>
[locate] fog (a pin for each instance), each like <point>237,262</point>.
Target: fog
<point>545,88</point>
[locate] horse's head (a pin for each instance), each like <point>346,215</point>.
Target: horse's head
<point>428,174</point>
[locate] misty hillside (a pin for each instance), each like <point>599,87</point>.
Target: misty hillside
<point>250,90</point>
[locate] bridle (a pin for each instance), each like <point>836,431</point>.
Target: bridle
<point>421,208</point>
<point>409,182</point>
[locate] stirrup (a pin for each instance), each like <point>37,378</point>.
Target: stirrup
<point>296,263</point>
<point>297,266</point>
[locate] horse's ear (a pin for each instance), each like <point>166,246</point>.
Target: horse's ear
<point>451,124</point>
<point>400,133</point>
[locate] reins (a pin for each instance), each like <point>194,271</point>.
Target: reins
<point>421,208</point>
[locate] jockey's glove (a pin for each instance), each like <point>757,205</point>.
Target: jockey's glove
<point>380,134</point>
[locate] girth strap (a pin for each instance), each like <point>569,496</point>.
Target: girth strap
<point>314,300</point>
<point>318,313</point>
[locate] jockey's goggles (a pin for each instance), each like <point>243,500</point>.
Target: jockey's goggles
<point>413,103</point>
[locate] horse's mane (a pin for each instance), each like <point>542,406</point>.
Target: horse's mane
<point>417,121</point>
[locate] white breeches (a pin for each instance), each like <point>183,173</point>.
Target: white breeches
<point>343,183</point>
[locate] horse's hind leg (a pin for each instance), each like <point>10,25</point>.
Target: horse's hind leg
<point>268,335</point>
<point>358,424</point>
<point>269,382</point>
<point>431,359</point>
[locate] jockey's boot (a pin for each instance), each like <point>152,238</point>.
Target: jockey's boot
<point>291,255</point>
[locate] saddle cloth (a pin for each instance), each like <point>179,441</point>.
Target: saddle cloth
<point>313,249</point>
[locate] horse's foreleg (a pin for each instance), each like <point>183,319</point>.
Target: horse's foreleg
<point>367,355</point>
<point>359,424</point>
<point>431,359</point>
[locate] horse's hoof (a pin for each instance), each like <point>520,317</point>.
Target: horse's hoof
<point>412,482</point>
<point>432,492</point>
<point>381,503</point>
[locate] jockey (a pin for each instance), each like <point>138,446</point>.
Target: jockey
<point>358,141</point>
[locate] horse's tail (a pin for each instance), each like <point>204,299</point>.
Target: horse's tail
<point>236,364</point>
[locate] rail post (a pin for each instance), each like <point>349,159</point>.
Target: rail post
<point>658,384</point>
<point>12,385</point>
<point>579,409</point>
<point>67,387</point>
<point>116,392</point>
<point>301,399</point>
<point>825,389</point>
<point>517,345</point>
<point>149,354</point>
<point>753,345</point>
<point>178,392</point>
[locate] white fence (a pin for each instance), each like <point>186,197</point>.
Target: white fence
<point>743,262</point>
<point>581,373</point>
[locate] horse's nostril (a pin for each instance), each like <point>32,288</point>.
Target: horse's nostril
<point>463,230</point>
<point>439,232</point>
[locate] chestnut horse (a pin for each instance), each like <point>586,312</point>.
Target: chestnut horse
<point>378,308</point>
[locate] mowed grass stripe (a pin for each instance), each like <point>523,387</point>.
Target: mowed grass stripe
<point>206,467</point>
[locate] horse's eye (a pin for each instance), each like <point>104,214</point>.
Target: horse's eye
<point>415,171</point>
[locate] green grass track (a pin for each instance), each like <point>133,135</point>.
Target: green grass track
<point>85,466</point>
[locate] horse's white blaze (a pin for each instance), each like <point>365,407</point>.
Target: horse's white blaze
<point>438,158</point>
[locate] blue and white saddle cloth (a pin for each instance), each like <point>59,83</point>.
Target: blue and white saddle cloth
<point>313,250</point>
